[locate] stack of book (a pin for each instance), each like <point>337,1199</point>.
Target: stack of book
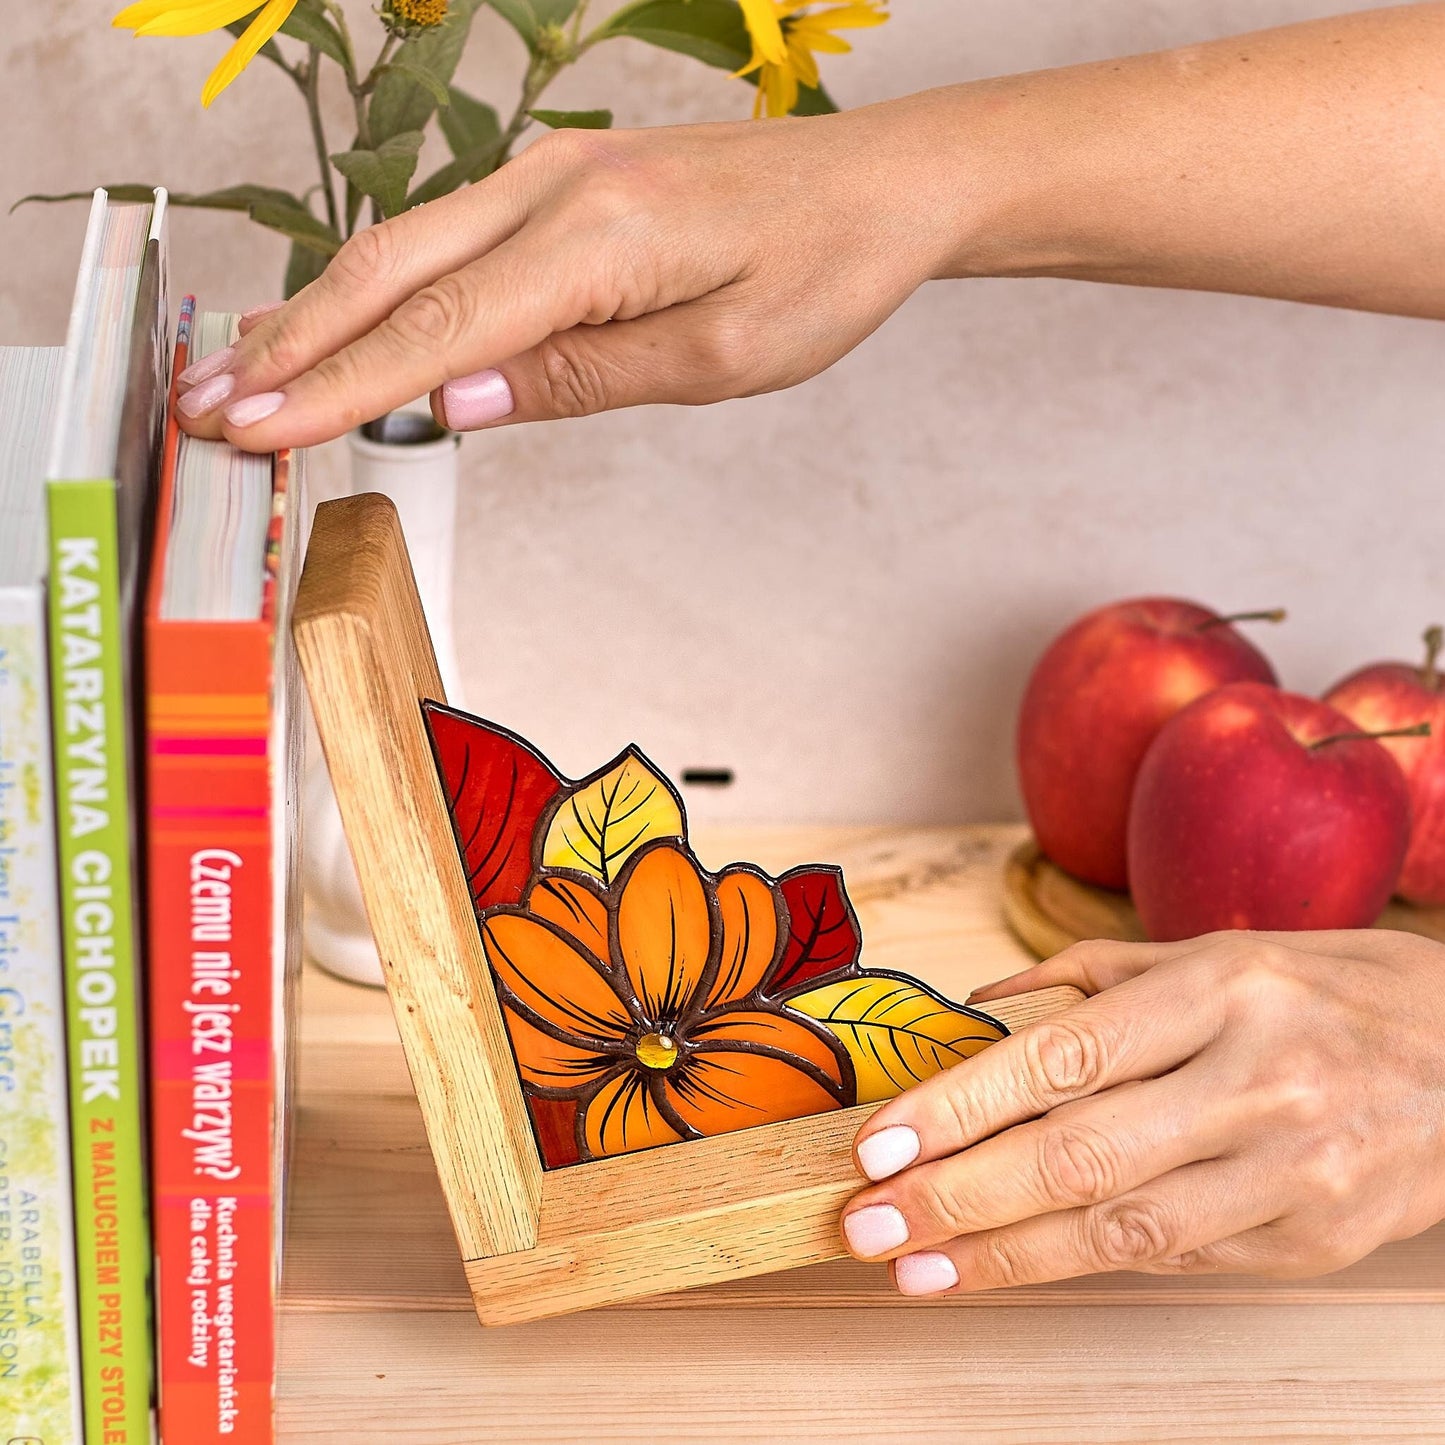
<point>148,795</point>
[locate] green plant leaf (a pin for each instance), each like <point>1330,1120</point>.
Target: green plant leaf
<point>424,78</point>
<point>573,119</point>
<point>302,268</point>
<point>400,102</point>
<point>520,15</point>
<point>308,24</point>
<point>294,220</point>
<point>232,198</point>
<point>711,31</point>
<point>383,173</point>
<point>468,124</point>
<point>810,101</point>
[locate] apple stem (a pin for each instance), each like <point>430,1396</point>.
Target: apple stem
<point>1419,730</point>
<point>1270,614</point>
<point>1434,641</point>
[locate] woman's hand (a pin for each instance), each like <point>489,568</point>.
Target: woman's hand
<point>599,270</point>
<point>1268,1104</point>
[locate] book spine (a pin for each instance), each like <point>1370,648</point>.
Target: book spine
<point>212,1012</point>
<point>90,721</point>
<point>39,1346</point>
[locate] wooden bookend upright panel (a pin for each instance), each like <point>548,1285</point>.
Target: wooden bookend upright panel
<point>534,1243</point>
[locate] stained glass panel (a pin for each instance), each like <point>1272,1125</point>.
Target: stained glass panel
<point>649,1001</point>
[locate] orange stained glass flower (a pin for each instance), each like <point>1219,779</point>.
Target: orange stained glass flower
<point>642,1004</point>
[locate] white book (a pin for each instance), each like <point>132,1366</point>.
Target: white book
<point>39,1347</point>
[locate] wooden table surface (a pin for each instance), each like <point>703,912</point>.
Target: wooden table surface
<point>378,1342</point>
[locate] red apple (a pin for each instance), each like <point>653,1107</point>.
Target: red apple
<point>1395,695</point>
<point>1093,704</point>
<point>1256,808</point>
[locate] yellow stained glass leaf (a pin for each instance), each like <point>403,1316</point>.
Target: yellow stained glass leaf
<point>609,817</point>
<point>896,1032</point>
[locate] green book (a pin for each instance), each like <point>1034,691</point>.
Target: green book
<point>39,1352</point>
<point>100,500</point>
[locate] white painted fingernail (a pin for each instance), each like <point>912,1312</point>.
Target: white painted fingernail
<point>206,397</point>
<point>889,1150</point>
<point>207,367</point>
<point>876,1230</point>
<point>257,312</point>
<point>473,401</point>
<point>928,1272</point>
<point>251,409</point>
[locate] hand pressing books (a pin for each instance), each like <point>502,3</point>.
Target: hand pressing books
<point>147,839</point>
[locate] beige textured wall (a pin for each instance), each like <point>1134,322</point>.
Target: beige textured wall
<point>837,590</point>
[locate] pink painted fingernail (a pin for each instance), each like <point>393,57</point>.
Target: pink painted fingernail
<point>251,409</point>
<point>888,1151</point>
<point>473,401</point>
<point>207,367</point>
<point>207,396</point>
<point>875,1230</point>
<point>257,312</point>
<point>926,1273</point>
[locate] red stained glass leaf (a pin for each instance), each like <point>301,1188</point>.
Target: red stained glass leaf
<point>496,787</point>
<point>823,933</point>
<point>555,1123</point>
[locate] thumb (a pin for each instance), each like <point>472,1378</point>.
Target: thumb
<point>686,355</point>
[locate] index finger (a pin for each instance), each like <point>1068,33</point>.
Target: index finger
<point>373,274</point>
<point>1138,1030</point>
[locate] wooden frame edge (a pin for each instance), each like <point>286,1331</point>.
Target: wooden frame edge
<point>367,658</point>
<point>674,1218</point>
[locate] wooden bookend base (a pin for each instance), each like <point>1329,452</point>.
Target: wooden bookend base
<point>534,1244</point>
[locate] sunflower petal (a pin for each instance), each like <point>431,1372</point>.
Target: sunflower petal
<point>142,11</point>
<point>664,932</point>
<point>197,19</point>
<point>778,1032</point>
<point>245,50</point>
<point>552,978</point>
<point>749,912</point>
<point>805,68</point>
<point>716,1093</point>
<point>622,1116</point>
<point>552,1063</point>
<point>575,908</point>
<point>761,18</point>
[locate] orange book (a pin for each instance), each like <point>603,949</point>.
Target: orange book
<point>222,774</point>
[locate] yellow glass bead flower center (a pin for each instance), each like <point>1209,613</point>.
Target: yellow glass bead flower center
<point>656,1051</point>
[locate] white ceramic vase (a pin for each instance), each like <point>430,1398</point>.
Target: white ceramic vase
<point>409,458</point>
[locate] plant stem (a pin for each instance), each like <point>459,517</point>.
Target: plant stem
<point>540,74</point>
<point>1434,641</point>
<point>369,84</point>
<point>1420,730</point>
<point>318,135</point>
<point>1270,614</point>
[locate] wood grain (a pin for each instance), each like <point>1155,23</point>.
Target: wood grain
<point>1050,909</point>
<point>1065,1376</point>
<point>368,1226</point>
<point>368,663</point>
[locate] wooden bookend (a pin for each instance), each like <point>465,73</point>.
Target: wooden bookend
<point>533,1243</point>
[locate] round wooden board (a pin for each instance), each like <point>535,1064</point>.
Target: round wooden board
<point>1049,909</point>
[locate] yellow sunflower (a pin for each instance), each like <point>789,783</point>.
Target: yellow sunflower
<point>785,34</point>
<point>199,17</point>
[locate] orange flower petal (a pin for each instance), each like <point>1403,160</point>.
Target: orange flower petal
<point>749,935</point>
<point>621,1116</point>
<point>551,977</point>
<point>554,1063</point>
<point>771,1031</point>
<point>718,1092</point>
<point>664,931</point>
<point>574,908</point>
